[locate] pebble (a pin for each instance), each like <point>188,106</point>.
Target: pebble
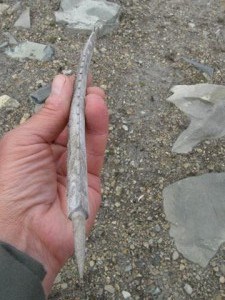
<point>58,279</point>
<point>67,72</point>
<point>25,117</point>
<point>188,289</point>
<point>7,101</point>
<point>64,285</point>
<point>222,279</point>
<point>126,294</point>
<point>125,127</point>
<point>175,255</point>
<point>92,263</point>
<point>157,228</point>
<point>110,289</point>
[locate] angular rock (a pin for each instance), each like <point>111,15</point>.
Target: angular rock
<point>204,104</point>
<point>126,295</point>
<point>11,39</point>
<point>24,19</point>
<point>41,94</point>
<point>86,14</point>
<point>206,70</point>
<point>3,7</point>
<point>110,289</point>
<point>195,208</point>
<point>8,102</point>
<point>31,50</point>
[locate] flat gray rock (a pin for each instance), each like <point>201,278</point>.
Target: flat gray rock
<point>84,15</point>
<point>31,50</point>
<point>195,207</point>
<point>204,104</point>
<point>24,19</point>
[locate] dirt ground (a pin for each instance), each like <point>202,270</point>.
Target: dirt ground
<point>130,249</point>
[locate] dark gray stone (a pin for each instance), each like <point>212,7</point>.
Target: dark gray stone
<point>85,15</point>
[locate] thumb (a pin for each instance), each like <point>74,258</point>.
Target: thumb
<point>50,121</point>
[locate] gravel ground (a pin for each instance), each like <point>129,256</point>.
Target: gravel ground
<point>130,251</point>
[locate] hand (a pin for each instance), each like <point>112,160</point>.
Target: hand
<point>33,209</point>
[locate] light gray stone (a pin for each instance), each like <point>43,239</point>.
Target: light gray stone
<point>85,15</point>
<point>3,7</point>
<point>109,288</point>
<point>188,289</point>
<point>175,255</point>
<point>195,207</point>
<point>24,19</point>
<point>31,50</point>
<point>204,104</point>
<point>126,295</point>
<point>7,101</point>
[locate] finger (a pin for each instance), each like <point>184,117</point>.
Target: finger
<point>50,121</point>
<point>96,132</point>
<point>96,90</point>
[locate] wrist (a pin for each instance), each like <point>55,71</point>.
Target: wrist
<point>26,244</point>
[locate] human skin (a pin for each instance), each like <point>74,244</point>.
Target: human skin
<point>33,208</point>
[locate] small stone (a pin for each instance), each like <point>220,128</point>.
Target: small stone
<point>110,289</point>
<point>188,289</point>
<point>222,279</point>
<point>25,117</point>
<point>103,86</point>
<point>64,285</point>
<point>67,72</point>
<point>58,279</point>
<point>182,267</point>
<point>128,268</point>
<point>191,25</point>
<point>175,255</point>
<point>24,19</point>
<point>41,94</point>
<point>92,263</point>
<point>8,102</point>
<point>157,228</point>
<point>117,204</point>
<point>125,127</point>
<point>132,247</point>
<point>126,295</point>
<point>118,190</point>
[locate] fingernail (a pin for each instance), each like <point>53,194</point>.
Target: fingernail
<point>58,85</point>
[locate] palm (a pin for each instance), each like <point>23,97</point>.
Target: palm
<point>33,177</point>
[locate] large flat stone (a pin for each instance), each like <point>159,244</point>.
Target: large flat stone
<point>32,51</point>
<point>195,208</point>
<point>204,104</point>
<point>85,15</point>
